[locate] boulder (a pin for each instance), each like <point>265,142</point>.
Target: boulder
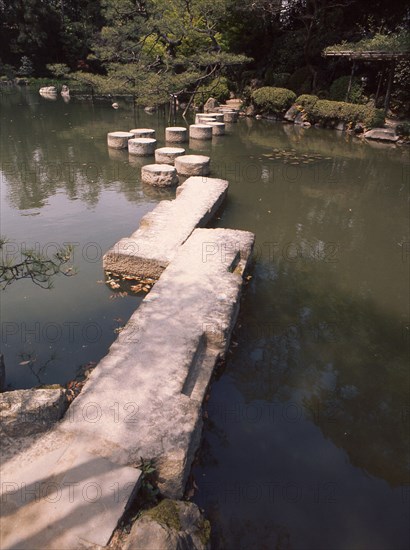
<point>171,525</point>
<point>27,412</point>
<point>210,105</point>
<point>381,134</point>
<point>298,118</point>
<point>291,114</point>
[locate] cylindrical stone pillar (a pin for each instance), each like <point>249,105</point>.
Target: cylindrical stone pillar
<point>143,147</point>
<point>118,140</point>
<point>143,132</point>
<point>167,155</point>
<point>200,131</point>
<point>193,165</point>
<point>219,117</point>
<point>205,119</point>
<point>218,128</point>
<point>176,134</point>
<point>159,175</point>
<point>231,116</point>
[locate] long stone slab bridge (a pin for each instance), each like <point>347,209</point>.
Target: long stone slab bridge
<point>69,488</point>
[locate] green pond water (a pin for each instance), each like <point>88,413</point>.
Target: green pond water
<point>306,429</point>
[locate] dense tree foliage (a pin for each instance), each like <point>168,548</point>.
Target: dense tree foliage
<point>164,46</point>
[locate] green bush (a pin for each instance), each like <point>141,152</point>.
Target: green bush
<point>273,100</point>
<point>325,112</point>
<point>58,70</point>
<point>306,100</point>
<point>217,88</point>
<point>338,90</point>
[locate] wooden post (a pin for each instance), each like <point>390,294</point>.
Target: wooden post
<point>378,88</point>
<point>389,87</point>
<point>350,82</point>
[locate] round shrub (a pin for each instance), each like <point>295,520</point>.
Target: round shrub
<point>306,101</point>
<point>273,100</point>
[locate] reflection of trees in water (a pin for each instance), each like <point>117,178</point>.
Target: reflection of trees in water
<point>345,357</point>
<point>51,151</point>
<point>245,534</point>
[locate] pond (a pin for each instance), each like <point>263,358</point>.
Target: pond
<point>306,436</point>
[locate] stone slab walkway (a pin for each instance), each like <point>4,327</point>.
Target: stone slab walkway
<point>149,250</point>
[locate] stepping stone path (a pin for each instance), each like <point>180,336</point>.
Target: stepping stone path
<point>143,132</point>
<point>218,128</point>
<point>118,140</point>
<point>142,147</point>
<point>193,165</point>
<point>159,175</point>
<point>176,134</point>
<point>149,250</point>
<point>200,131</point>
<point>167,155</point>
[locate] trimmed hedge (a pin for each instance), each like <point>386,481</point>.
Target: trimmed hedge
<point>332,112</point>
<point>273,100</point>
<point>307,101</point>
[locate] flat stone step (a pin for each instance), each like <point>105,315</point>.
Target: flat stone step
<point>148,391</point>
<point>142,147</point>
<point>149,250</point>
<point>143,132</point>
<point>67,498</point>
<point>159,175</point>
<point>200,131</point>
<point>176,134</point>
<point>70,488</point>
<point>381,134</point>
<point>167,155</point>
<point>193,165</point>
<point>118,140</point>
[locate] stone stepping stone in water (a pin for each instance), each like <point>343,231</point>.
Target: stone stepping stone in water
<point>143,132</point>
<point>118,140</point>
<point>218,128</point>
<point>167,155</point>
<point>176,134</point>
<point>143,147</point>
<point>231,116</point>
<point>219,117</point>
<point>200,131</point>
<point>159,175</point>
<point>193,165</point>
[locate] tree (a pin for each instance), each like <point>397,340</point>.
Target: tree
<point>154,48</point>
<point>34,266</point>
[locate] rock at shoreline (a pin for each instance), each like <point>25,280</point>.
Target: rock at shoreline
<point>291,114</point>
<point>28,412</point>
<point>171,525</point>
<point>210,105</point>
<point>381,134</point>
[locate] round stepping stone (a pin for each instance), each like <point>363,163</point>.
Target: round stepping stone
<point>118,140</point>
<point>159,175</point>
<point>143,147</point>
<point>231,116</point>
<point>143,132</point>
<point>193,165</point>
<point>200,131</point>
<point>219,117</point>
<point>167,155</point>
<point>205,119</point>
<point>218,128</point>
<point>176,134</point>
